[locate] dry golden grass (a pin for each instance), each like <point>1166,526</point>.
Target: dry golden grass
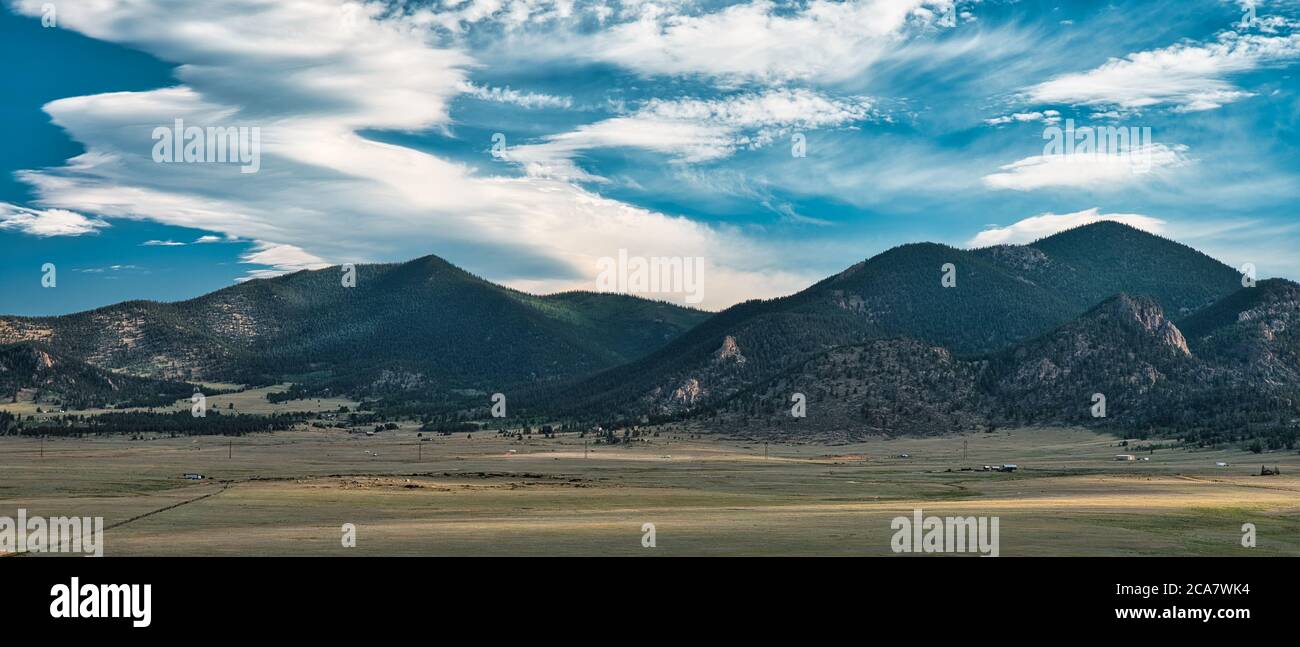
<point>289,493</point>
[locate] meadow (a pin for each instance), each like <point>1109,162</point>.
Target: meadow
<point>406,493</point>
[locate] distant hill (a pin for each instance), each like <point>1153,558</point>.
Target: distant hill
<point>1124,349</point>
<point>1003,295</point>
<point>422,327</point>
<point>1244,383</point>
<point>1020,335</point>
<point>59,381</point>
<point>1094,262</point>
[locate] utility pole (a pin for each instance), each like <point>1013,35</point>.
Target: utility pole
<point>764,450</point>
<point>419,451</point>
<point>42,446</point>
<point>963,450</point>
<point>230,449</point>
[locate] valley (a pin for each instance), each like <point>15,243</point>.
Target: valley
<point>372,405</point>
<point>289,493</point>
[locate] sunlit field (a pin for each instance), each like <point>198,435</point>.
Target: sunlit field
<point>289,493</point>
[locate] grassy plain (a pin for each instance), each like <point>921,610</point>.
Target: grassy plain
<point>289,493</point>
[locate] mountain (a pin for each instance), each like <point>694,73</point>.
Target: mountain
<point>1123,349</point>
<point>1094,262</point>
<point>895,385</point>
<point>1230,371</point>
<point>423,327</point>
<point>1002,296</point>
<point>62,381</point>
<point>1256,329</point>
<point>1244,385</point>
<point>923,338</point>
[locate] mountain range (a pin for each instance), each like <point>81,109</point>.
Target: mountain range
<point>423,327</point>
<point>922,338</point>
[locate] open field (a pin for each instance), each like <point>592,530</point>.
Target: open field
<point>239,400</point>
<point>288,494</point>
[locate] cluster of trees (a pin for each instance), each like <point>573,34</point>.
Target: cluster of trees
<point>294,392</point>
<point>180,423</point>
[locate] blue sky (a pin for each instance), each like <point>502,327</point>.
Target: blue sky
<point>664,128</point>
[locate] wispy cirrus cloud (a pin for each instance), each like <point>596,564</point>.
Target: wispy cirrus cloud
<point>532,100</point>
<point>376,125</point>
<point>764,40</point>
<point>694,129</point>
<point>326,194</point>
<point>1185,76</point>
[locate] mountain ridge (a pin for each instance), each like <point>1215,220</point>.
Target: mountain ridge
<point>921,338</point>
<point>994,303</point>
<point>426,320</point>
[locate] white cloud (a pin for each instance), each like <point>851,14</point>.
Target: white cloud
<point>515,97</point>
<point>281,258</point>
<point>162,243</point>
<point>205,240</point>
<point>764,40</point>
<point>1046,116</point>
<point>694,130</point>
<point>1089,171</point>
<point>1043,225</point>
<point>310,74</point>
<point>47,222</point>
<point>1188,77</point>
